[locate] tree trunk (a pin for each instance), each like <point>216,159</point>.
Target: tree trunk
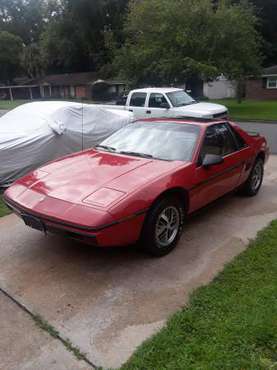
<point>240,90</point>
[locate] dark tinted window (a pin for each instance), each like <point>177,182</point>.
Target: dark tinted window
<point>156,100</point>
<point>229,144</point>
<point>239,140</point>
<point>218,140</point>
<point>138,99</point>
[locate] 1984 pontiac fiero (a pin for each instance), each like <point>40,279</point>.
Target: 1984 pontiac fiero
<point>141,182</point>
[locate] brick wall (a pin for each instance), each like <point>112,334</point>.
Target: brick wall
<point>81,92</point>
<point>256,89</point>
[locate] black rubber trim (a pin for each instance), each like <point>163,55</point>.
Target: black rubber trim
<point>216,176</point>
<point>19,209</point>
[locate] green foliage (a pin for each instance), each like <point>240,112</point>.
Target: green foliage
<point>10,47</point>
<point>266,11</point>
<point>167,42</point>
<point>76,36</point>
<point>32,60</point>
<point>24,18</point>
<point>3,209</point>
<point>229,324</point>
<point>163,41</point>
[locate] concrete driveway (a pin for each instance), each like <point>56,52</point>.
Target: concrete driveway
<point>108,301</point>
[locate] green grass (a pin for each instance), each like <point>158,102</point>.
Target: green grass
<point>251,110</point>
<point>6,104</point>
<point>3,209</point>
<point>229,324</point>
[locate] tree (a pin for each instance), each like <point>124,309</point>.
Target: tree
<point>32,60</point>
<point>11,48</point>
<point>74,38</point>
<point>24,18</point>
<point>167,42</point>
<point>267,11</point>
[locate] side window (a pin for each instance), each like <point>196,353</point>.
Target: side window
<point>138,99</point>
<point>219,141</point>
<point>156,100</point>
<point>239,140</point>
<point>212,143</point>
<point>229,144</point>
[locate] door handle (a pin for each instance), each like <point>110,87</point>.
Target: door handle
<point>148,112</point>
<point>130,110</point>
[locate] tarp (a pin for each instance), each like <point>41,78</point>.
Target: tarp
<point>35,133</point>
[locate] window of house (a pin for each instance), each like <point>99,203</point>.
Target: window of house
<point>138,99</point>
<point>272,82</point>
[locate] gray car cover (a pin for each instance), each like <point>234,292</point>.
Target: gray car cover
<point>35,133</point>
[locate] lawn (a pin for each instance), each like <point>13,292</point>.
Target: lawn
<point>250,109</point>
<point>3,209</point>
<point>229,324</point>
<point>6,104</point>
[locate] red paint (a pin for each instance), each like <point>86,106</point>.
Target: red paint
<point>107,195</point>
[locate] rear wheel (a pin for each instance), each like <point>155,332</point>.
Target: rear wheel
<point>163,227</point>
<point>255,179</point>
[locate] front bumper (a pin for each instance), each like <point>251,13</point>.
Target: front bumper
<point>122,232</point>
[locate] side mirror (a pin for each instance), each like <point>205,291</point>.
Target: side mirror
<point>165,105</point>
<point>212,160</point>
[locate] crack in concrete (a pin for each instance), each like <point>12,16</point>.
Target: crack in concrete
<point>44,325</point>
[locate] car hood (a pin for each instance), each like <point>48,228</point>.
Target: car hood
<point>95,178</point>
<point>201,110</point>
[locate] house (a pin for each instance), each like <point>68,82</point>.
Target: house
<point>220,88</point>
<point>263,88</point>
<point>85,85</point>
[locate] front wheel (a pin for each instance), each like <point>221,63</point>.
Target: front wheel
<point>163,227</point>
<point>255,179</point>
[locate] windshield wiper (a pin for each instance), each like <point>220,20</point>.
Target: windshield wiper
<point>142,155</point>
<point>106,147</point>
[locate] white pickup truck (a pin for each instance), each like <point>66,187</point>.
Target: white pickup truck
<point>169,102</point>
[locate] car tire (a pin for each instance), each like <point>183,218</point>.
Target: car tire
<point>255,179</point>
<point>163,226</point>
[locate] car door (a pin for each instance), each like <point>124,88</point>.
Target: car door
<point>158,106</point>
<point>137,104</point>
<point>215,181</point>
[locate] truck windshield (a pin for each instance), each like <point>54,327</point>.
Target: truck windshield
<point>159,140</point>
<point>179,98</point>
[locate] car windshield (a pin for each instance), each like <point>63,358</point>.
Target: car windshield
<point>179,98</point>
<point>159,140</point>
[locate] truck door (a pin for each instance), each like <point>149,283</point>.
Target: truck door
<point>137,104</point>
<point>158,106</point>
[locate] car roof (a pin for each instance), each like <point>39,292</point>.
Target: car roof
<point>158,89</point>
<point>203,122</point>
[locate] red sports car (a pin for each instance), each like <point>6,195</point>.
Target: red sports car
<point>141,182</point>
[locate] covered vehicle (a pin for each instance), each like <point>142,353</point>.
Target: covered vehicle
<point>35,133</point>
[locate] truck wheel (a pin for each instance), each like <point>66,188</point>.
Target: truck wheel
<point>255,179</point>
<point>163,227</point>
